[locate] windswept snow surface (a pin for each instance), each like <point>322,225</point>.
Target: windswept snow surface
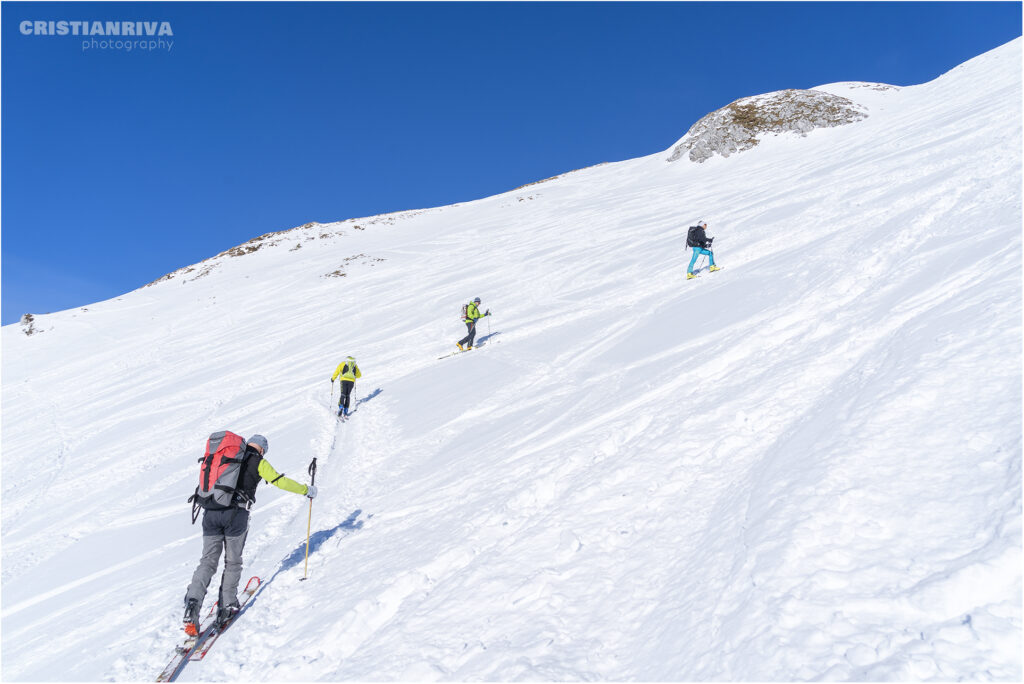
<point>804,466</point>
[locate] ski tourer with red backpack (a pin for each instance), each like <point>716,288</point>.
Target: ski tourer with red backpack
<point>470,315</point>
<point>229,472</point>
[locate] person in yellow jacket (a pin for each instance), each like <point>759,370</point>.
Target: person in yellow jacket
<point>472,315</point>
<point>348,371</point>
<point>227,529</point>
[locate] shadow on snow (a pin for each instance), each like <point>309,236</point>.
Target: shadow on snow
<point>316,540</point>
<point>480,342</point>
<point>368,397</point>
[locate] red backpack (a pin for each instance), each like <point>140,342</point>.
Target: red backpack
<point>219,470</point>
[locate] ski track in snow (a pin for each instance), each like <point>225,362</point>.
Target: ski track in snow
<point>804,466</point>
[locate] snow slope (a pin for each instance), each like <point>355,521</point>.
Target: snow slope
<point>804,466</point>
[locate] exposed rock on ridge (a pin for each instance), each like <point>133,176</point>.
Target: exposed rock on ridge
<point>740,125</point>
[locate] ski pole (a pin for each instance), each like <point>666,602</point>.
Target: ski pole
<point>312,481</point>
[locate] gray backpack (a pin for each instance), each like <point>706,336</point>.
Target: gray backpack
<point>219,470</point>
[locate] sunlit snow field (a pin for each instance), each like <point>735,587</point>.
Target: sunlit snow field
<point>804,466</point>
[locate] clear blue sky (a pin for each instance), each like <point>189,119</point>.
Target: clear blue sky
<point>119,167</point>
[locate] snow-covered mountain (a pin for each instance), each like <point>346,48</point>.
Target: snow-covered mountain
<point>804,466</point>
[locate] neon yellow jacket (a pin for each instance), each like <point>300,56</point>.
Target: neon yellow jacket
<point>473,312</point>
<point>268,473</point>
<point>348,370</point>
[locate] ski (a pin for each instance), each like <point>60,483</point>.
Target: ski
<point>214,632</point>
<point>701,273</point>
<point>183,651</point>
<point>461,351</point>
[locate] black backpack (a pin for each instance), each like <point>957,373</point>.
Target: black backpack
<point>691,240</point>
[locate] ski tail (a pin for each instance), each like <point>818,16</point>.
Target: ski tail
<point>208,640</point>
<point>183,651</point>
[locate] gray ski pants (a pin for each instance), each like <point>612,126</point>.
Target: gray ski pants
<point>221,530</point>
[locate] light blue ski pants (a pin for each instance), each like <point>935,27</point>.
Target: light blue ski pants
<point>697,251</point>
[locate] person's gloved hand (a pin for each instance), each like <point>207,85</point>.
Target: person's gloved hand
<point>488,313</point>
<point>311,491</point>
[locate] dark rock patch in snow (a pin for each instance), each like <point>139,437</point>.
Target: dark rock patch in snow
<point>28,322</point>
<point>361,259</point>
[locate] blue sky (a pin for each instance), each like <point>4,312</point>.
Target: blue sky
<point>119,167</point>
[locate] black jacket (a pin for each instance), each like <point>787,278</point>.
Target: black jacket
<point>695,237</point>
<point>249,478</point>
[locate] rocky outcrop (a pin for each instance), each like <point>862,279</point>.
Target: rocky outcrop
<point>28,323</point>
<point>740,125</point>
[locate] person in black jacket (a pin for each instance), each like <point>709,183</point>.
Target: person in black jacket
<point>701,243</point>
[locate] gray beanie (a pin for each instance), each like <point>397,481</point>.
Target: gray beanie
<point>260,441</point>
